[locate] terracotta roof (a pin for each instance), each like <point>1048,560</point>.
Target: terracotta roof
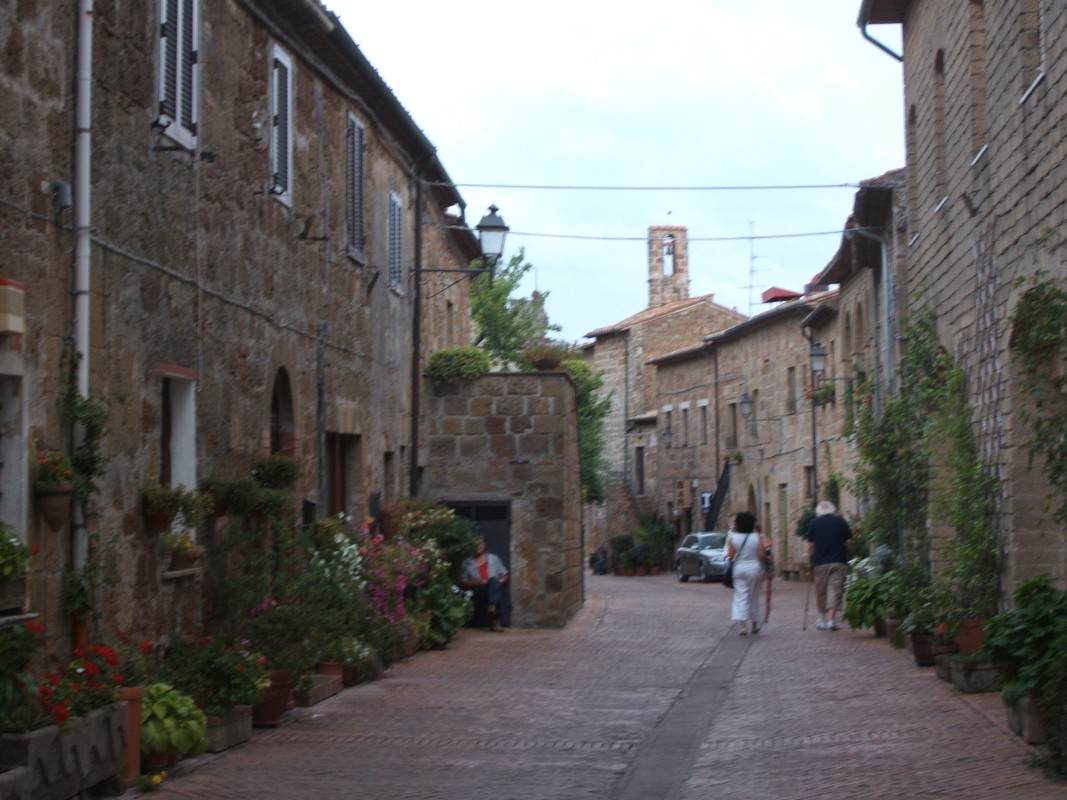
<point>777,295</point>
<point>656,312</point>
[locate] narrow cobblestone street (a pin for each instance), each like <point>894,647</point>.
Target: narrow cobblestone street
<point>649,693</point>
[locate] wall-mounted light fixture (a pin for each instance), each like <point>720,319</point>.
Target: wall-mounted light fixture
<point>668,437</point>
<point>491,235</point>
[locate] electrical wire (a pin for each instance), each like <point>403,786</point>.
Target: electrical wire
<point>590,188</point>
<point>837,232</point>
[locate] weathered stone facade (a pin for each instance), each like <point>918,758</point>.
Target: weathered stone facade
<point>513,438</point>
<point>237,301</point>
<point>672,321</point>
<point>984,101</point>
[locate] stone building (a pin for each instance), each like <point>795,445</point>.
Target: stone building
<point>671,321</point>
<point>505,447</point>
<point>742,424</point>
<point>985,143</point>
<point>215,218</point>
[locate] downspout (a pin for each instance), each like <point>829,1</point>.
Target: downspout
<point>83,117</point>
<point>416,345</point>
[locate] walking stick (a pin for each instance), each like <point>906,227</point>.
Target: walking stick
<point>807,601</point>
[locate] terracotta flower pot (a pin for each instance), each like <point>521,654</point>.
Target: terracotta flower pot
<point>267,713</point>
<point>53,503</point>
<point>971,636</point>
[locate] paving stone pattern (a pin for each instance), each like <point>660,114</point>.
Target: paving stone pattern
<point>648,693</point>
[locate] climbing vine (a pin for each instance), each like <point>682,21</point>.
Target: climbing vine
<point>1039,324</point>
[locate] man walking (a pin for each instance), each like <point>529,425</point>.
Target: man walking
<point>829,546</point>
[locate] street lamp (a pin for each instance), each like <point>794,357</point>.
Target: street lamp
<point>667,436</point>
<point>818,366</point>
<point>491,234</point>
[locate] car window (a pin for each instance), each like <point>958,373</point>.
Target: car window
<point>689,541</point>
<point>714,541</point>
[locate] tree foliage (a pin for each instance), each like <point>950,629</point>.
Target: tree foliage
<point>505,324</point>
<point>591,413</point>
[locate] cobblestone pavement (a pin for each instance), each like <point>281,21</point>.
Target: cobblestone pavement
<point>648,693</point>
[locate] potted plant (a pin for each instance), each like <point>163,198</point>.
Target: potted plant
<point>183,550</point>
<point>14,563</point>
<point>227,679</point>
<point>453,364</point>
<point>276,471</point>
<point>164,504</point>
<point>924,626</point>
<point>172,726</point>
<point>1027,644</point>
<point>79,722</point>
<point>53,486</point>
<point>547,354</point>
<point>350,657</point>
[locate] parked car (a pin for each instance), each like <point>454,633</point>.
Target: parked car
<point>702,554</point>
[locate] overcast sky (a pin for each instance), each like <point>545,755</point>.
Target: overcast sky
<point>680,93</point>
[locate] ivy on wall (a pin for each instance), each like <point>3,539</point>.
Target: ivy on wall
<point>1039,323</point>
<point>919,463</point>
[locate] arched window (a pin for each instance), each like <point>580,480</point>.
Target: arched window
<point>282,431</point>
<point>668,254</point>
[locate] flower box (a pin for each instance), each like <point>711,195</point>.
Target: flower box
<point>66,761</point>
<point>15,783</point>
<point>229,730</point>
<point>973,677</point>
<point>323,686</point>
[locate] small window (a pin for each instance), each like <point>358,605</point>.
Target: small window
<point>355,235</point>
<point>396,242</point>
<point>281,142</point>
<point>179,40</point>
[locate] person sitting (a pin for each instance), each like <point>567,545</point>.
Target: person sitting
<point>598,562</point>
<point>484,576</point>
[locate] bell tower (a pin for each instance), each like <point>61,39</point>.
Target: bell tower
<point>668,264</point>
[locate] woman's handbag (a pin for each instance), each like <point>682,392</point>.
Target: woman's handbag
<point>728,574</point>
<point>728,569</point>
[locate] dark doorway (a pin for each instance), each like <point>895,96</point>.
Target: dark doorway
<point>493,521</point>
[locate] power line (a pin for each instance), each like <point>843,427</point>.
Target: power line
<point>782,187</point>
<point>838,232</point>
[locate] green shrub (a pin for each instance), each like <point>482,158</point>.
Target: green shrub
<point>457,364</point>
<point>171,722</point>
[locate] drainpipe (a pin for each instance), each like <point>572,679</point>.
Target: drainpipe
<point>416,345</point>
<point>83,117</point>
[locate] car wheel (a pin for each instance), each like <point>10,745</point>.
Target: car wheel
<point>704,576</point>
<point>682,577</point>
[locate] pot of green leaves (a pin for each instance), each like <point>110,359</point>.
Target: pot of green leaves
<point>924,626</point>
<point>172,726</point>
<point>1028,646</point>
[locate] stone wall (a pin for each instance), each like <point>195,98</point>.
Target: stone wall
<point>199,274</point>
<point>984,100</point>
<point>514,438</point>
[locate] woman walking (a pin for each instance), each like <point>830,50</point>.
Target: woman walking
<point>748,552</point>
